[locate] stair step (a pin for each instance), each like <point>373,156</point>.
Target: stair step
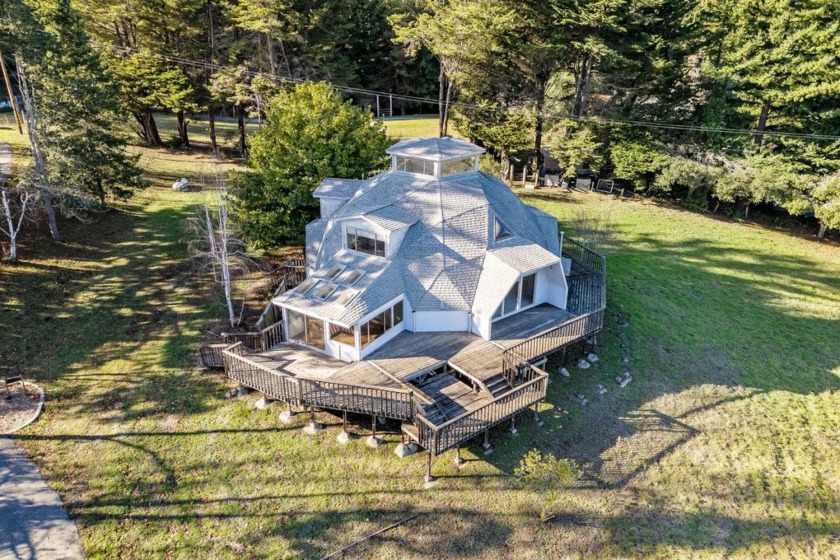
<point>411,431</point>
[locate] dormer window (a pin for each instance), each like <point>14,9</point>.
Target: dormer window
<point>365,242</point>
<point>455,166</point>
<point>501,231</point>
<point>413,165</point>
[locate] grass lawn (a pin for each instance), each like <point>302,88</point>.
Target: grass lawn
<point>726,444</point>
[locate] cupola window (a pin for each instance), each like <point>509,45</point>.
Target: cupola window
<point>412,165</point>
<point>501,231</point>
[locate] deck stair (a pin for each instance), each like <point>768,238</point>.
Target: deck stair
<point>497,385</point>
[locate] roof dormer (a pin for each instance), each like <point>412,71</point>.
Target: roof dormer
<point>435,157</point>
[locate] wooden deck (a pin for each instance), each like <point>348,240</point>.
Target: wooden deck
<point>447,387</point>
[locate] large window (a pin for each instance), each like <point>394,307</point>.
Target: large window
<point>306,329</point>
<point>457,166</point>
<point>411,165</point>
<point>520,296</point>
<point>365,242</point>
<point>382,323</point>
<point>342,335</point>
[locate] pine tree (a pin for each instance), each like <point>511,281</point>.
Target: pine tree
<point>78,105</point>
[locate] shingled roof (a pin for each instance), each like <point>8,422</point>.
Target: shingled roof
<point>449,231</point>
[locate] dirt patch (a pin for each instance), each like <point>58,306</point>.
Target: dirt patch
<point>17,410</point>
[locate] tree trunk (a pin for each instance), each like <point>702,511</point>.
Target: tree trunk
<point>449,88</point>
<point>536,159</point>
<point>823,229</point>
<point>581,82</point>
<point>150,131</point>
<point>762,123</point>
<point>35,145</point>
<point>441,94</point>
<point>12,231</point>
<point>182,129</point>
<point>504,155</point>
<point>269,52</point>
<point>747,211</point>
<point>240,123</point>
<point>211,113</point>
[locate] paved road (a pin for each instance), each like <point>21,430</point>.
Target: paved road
<point>33,525</point>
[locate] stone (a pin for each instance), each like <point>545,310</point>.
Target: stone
<point>580,399</point>
<point>405,449</point>
<point>513,431</point>
<point>460,462</point>
<point>592,358</point>
<point>287,417</point>
<point>263,402</point>
<point>565,373</point>
<point>625,360</point>
<point>232,393</point>
<point>313,428</point>
<point>242,390</point>
<point>380,420</point>
<point>626,381</point>
<point>583,364</point>
<point>602,390</point>
<point>488,449</point>
<point>374,442</point>
<point>344,437</point>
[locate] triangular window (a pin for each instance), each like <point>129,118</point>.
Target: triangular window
<point>501,231</point>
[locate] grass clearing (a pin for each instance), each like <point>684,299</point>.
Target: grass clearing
<point>724,445</point>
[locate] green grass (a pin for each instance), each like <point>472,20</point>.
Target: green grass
<point>725,444</point>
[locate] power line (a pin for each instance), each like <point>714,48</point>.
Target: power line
<point>435,102</point>
<point>430,101</point>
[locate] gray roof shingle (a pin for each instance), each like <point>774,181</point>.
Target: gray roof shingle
<point>438,149</point>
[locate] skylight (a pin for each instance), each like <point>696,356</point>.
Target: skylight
<point>325,290</point>
<point>353,276</point>
<point>502,232</point>
<point>346,297</point>
<point>306,285</point>
<point>334,271</point>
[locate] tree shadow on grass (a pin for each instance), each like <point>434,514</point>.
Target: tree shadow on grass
<point>115,295</point>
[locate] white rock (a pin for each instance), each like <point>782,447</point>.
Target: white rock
<point>344,437</point>
<point>287,417</point>
<point>374,442</point>
<point>565,373</point>
<point>313,428</point>
<point>583,364</point>
<point>592,357</point>
<point>405,449</point>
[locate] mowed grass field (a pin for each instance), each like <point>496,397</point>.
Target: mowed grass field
<point>726,443</point>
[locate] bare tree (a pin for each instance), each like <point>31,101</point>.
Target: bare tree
<point>16,204</point>
<point>40,177</point>
<point>214,244</point>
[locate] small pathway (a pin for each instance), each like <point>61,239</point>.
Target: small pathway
<point>33,525</point>
<point>5,161</point>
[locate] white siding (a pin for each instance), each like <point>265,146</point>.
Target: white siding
<point>434,321</point>
<point>551,286</point>
<point>330,205</point>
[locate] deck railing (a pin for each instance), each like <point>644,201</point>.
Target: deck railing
<point>364,399</point>
<point>456,431</point>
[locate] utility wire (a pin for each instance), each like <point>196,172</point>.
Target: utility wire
<point>435,102</point>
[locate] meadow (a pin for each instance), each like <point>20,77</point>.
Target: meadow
<point>726,443</point>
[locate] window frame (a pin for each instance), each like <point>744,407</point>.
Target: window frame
<point>376,238</point>
<point>520,281</point>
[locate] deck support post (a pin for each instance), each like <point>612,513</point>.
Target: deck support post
<point>429,479</point>
<point>459,461</point>
<point>488,449</point>
<point>537,420</point>
<point>344,436</point>
<point>372,440</point>
<point>288,415</point>
<point>313,427</point>
<point>513,431</point>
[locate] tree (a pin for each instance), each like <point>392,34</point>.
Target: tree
<point>78,106</point>
<point>16,203</point>
<point>546,475</point>
<point>637,161</point>
<point>692,175</point>
<point>215,245</point>
<point>826,201</point>
<point>311,134</point>
<point>573,144</point>
<point>507,132</point>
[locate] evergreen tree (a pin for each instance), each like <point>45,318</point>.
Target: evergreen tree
<point>311,134</point>
<point>78,103</point>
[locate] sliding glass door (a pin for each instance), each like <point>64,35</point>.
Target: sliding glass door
<point>305,329</point>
